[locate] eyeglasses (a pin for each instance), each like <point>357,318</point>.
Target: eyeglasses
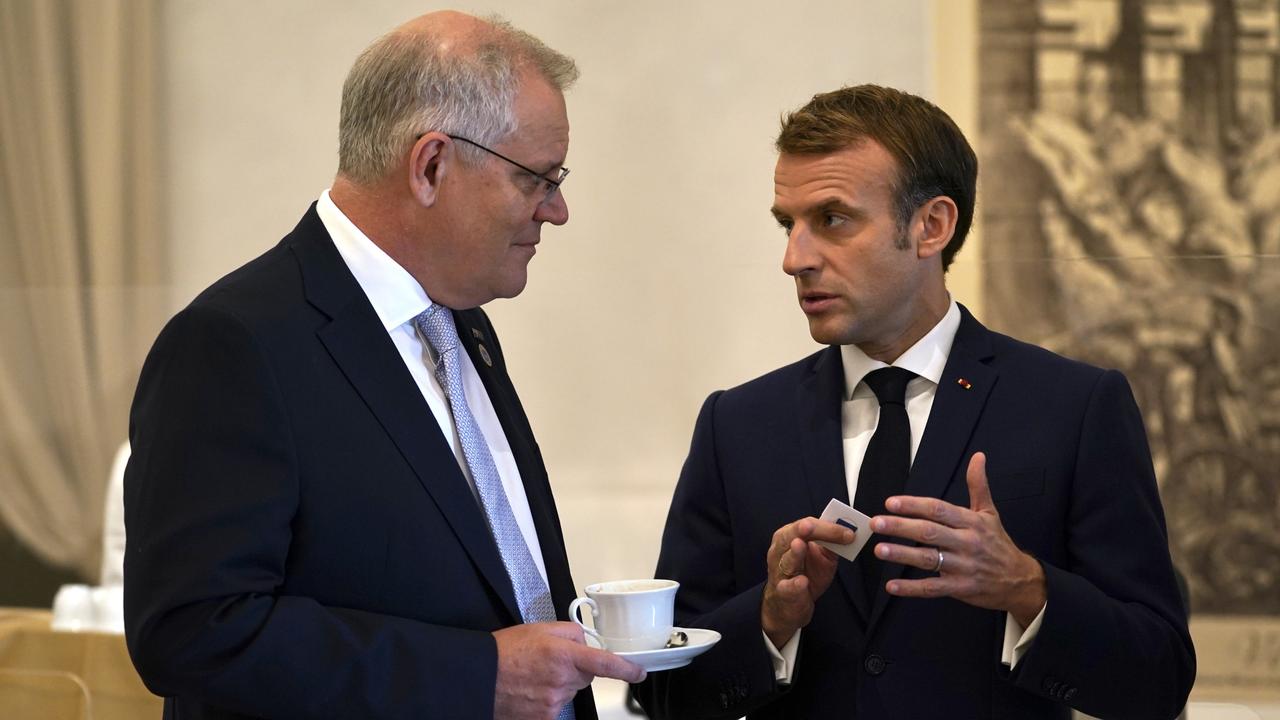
<point>551,185</point>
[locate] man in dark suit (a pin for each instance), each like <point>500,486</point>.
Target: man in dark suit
<point>1019,565</point>
<point>332,511</point>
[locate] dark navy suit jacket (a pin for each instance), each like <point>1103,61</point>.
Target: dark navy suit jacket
<point>302,542</point>
<point>1070,472</point>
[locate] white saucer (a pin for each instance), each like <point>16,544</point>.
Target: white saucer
<point>700,641</point>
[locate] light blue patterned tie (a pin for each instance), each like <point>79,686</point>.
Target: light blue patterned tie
<point>532,595</point>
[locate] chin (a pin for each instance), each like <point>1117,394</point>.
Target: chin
<point>821,336</point>
<point>513,286</point>
<point>827,331</point>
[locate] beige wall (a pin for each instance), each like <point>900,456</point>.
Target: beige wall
<point>665,285</point>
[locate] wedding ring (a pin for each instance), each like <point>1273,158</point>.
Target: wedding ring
<point>941,558</point>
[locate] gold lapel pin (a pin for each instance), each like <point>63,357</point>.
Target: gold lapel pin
<point>484,354</point>
<point>964,383</point>
<point>475,333</point>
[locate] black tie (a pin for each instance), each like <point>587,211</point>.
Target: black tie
<point>887,462</point>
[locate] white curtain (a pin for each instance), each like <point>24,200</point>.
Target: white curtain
<point>81,259</point>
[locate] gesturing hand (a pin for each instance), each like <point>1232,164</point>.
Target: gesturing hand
<point>974,557</point>
<point>800,570</point>
<point>541,666</point>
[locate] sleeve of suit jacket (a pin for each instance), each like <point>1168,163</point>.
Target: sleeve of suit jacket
<point>1114,641</point>
<point>213,494</point>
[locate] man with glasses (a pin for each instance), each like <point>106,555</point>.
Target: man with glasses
<point>335,504</point>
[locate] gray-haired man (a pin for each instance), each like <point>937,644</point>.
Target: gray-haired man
<point>335,505</point>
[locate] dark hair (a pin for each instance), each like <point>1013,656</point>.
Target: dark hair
<point>932,154</point>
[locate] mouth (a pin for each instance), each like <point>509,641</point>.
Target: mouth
<point>813,302</point>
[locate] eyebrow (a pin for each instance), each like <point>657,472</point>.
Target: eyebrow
<point>554,165</point>
<point>830,203</point>
<point>838,204</point>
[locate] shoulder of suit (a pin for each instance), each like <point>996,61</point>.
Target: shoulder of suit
<point>264,295</point>
<point>260,276</point>
<point>270,271</point>
<point>1011,353</point>
<point>785,378</point>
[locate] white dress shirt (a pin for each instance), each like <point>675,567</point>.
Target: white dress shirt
<point>397,298</point>
<point>860,412</point>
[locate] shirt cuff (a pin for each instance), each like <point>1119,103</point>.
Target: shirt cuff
<point>784,660</point>
<point>1016,640</point>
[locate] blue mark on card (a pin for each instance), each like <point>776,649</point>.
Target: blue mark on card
<point>846,523</point>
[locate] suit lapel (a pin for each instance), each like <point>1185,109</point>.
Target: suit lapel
<point>962,394</point>
<point>486,355</point>
<point>820,399</point>
<point>359,345</point>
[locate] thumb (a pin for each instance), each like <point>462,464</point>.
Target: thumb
<point>602,663</point>
<point>979,491</point>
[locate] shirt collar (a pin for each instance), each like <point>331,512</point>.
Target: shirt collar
<point>926,358</point>
<point>395,295</point>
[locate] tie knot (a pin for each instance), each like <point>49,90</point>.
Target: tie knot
<point>889,384</point>
<point>436,325</point>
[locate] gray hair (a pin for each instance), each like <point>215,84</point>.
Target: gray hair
<point>403,85</point>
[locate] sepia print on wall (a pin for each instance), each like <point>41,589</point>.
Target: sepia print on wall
<point>1131,218</point>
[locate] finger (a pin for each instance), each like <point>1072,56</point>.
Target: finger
<point>925,558</point>
<point>820,555</point>
<point>600,663</point>
<point>930,587</point>
<point>792,561</point>
<point>922,531</point>
<point>784,538</point>
<point>803,526</point>
<point>796,588</point>
<point>979,489</point>
<point>821,566</point>
<point>822,562</point>
<point>928,508</point>
<point>815,529</point>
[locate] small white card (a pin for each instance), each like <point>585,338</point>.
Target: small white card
<point>841,514</point>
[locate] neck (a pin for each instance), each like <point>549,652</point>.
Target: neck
<point>367,208</point>
<point>925,314</point>
<point>387,223</point>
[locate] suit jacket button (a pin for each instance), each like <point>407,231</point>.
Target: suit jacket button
<point>874,664</point>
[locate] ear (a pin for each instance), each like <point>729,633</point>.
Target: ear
<point>429,162</point>
<point>937,222</point>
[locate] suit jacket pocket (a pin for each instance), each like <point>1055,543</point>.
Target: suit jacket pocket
<point>1014,485</point>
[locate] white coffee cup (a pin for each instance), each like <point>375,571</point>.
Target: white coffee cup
<point>629,615</point>
<point>73,608</point>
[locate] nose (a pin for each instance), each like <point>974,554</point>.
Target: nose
<point>799,257</point>
<point>554,209</point>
